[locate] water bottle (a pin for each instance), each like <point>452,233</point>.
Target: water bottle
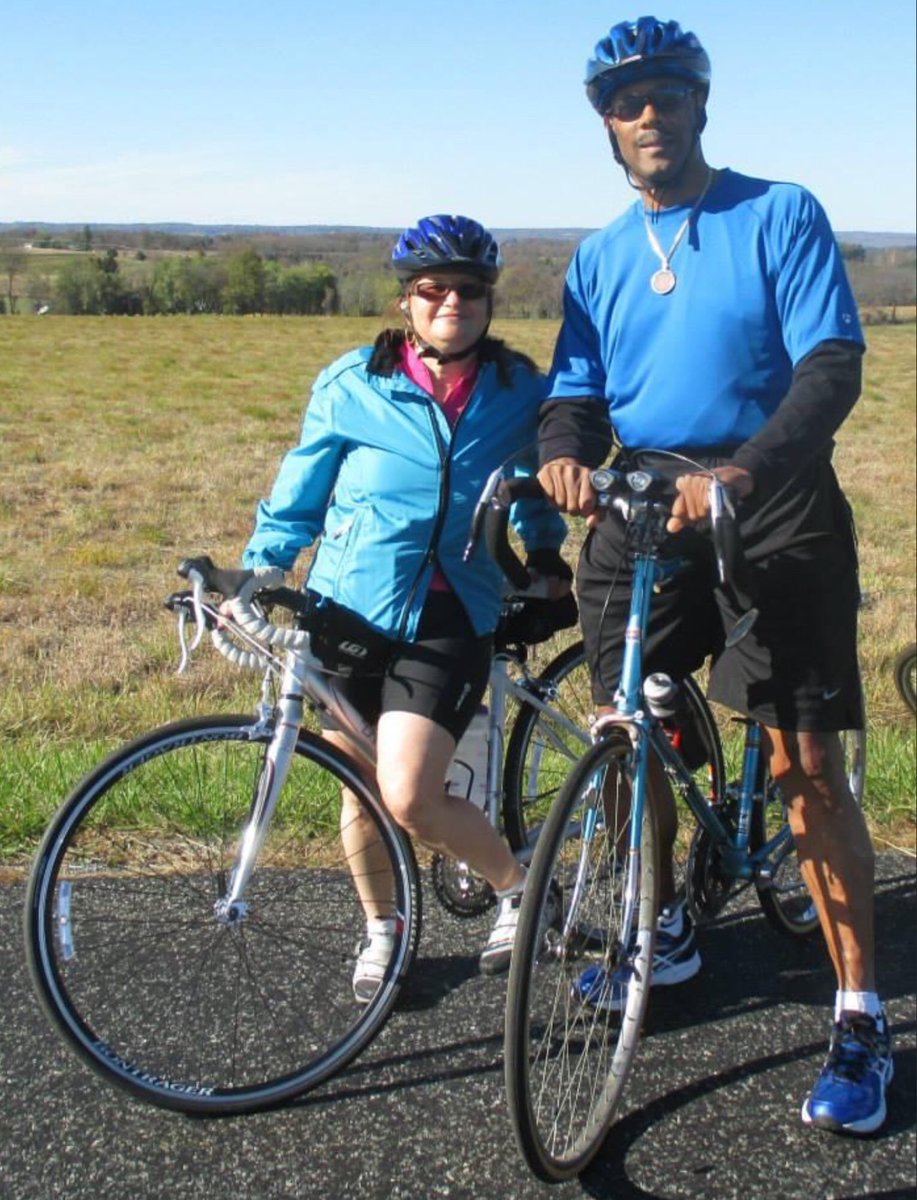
<point>666,701</point>
<point>467,773</point>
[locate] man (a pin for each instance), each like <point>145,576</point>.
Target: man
<point>714,320</point>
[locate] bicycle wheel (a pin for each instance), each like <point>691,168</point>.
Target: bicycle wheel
<point>579,979</point>
<point>548,736</point>
<point>785,899</point>
<point>141,975</point>
<point>906,676</point>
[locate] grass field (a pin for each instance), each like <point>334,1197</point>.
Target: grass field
<point>126,444</point>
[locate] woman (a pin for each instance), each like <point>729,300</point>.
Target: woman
<point>397,444</point>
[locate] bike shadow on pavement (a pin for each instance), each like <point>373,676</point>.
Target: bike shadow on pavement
<point>748,965</point>
<point>755,981</point>
<point>609,1175</point>
<point>434,977</point>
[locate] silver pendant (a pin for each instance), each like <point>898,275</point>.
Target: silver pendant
<point>663,281</point>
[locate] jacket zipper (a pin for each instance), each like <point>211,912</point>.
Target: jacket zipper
<point>445,461</point>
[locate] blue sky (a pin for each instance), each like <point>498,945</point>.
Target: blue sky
<point>375,112</point>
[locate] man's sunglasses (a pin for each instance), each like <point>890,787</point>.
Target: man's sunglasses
<point>436,291</point>
<point>668,98</point>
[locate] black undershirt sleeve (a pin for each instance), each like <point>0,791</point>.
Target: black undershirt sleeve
<point>825,387</point>
<point>577,428</point>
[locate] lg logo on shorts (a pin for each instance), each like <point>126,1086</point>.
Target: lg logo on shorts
<point>353,649</point>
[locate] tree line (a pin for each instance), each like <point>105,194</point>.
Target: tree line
<point>341,272</point>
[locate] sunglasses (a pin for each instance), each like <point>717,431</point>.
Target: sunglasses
<point>627,106</point>
<point>437,291</point>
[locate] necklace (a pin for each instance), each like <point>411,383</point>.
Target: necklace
<point>663,281</point>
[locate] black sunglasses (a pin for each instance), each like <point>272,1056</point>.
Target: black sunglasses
<point>435,291</point>
<point>667,98</point>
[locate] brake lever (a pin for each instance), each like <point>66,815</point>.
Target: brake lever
<point>732,567</point>
<point>494,479</point>
<point>721,506</point>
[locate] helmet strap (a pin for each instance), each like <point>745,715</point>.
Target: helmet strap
<point>425,350</point>
<point>640,185</point>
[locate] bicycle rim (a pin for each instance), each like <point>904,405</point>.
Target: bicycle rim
<point>544,745</point>
<point>131,961</point>
<point>568,1058</point>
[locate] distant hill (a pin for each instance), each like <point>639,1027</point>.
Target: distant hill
<point>869,239</point>
<point>878,241</point>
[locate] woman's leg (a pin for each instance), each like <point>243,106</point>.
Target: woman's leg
<point>413,755</point>
<point>366,858</point>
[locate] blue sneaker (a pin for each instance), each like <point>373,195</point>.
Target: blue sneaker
<point>849,1094</point>
<point>676,959</point>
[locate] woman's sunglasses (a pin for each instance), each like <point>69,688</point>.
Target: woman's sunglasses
<point>436,291</point>
<point>667,98</point>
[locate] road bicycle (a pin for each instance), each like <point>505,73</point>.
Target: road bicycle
<point>579,977</point>
<point>191,915</point>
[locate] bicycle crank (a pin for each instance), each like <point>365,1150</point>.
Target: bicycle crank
<point>708,883</point>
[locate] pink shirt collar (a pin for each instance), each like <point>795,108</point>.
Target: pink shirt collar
<point>457,397</point>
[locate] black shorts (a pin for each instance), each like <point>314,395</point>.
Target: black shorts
<point>442,675</point>
<point>797,669</point>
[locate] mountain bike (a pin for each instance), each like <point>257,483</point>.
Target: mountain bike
<point>579,978</point>
<point>192,913</point>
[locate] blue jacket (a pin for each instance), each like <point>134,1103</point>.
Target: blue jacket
<point>392,489</point>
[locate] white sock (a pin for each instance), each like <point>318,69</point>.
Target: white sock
<point>861,1002</point>
<point>380,927</point>
<point>513,890</point>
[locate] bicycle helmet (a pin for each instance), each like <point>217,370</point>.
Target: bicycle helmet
<point>635,50</point>
<point>447,243</point>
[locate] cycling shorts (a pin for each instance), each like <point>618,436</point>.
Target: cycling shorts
<point>442,675</point>
<point>797,669</point>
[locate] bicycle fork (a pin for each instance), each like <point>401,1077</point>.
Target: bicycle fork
<point>232,908</point>
<point>594,822</point>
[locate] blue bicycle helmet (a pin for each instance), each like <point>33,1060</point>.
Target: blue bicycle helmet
<point>447,243</point>
<point>635,50</point>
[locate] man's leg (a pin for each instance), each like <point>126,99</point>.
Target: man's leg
<point>838,865</point>
<point>834,847</point>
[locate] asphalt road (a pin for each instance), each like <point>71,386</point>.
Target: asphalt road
<point>726,1061</point>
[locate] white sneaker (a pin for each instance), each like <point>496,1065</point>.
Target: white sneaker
<point>496,955</point>
<point>498,951</point>
<point>374,953</point>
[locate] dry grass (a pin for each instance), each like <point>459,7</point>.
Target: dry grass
<point>126,444</point>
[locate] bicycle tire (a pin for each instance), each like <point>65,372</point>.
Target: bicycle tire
<point>785,899</point>
<point>544,744</point>
<point>905,670</point>
<point>130,962</point>
<point>567,1060</point>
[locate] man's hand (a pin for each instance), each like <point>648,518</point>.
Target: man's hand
<point>692,504</point>
<point>567,484</point>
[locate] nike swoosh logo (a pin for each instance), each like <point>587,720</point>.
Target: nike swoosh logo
<point>829,695</point>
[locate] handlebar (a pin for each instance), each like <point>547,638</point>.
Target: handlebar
<point>630,493</point>
<point>242,588</point>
